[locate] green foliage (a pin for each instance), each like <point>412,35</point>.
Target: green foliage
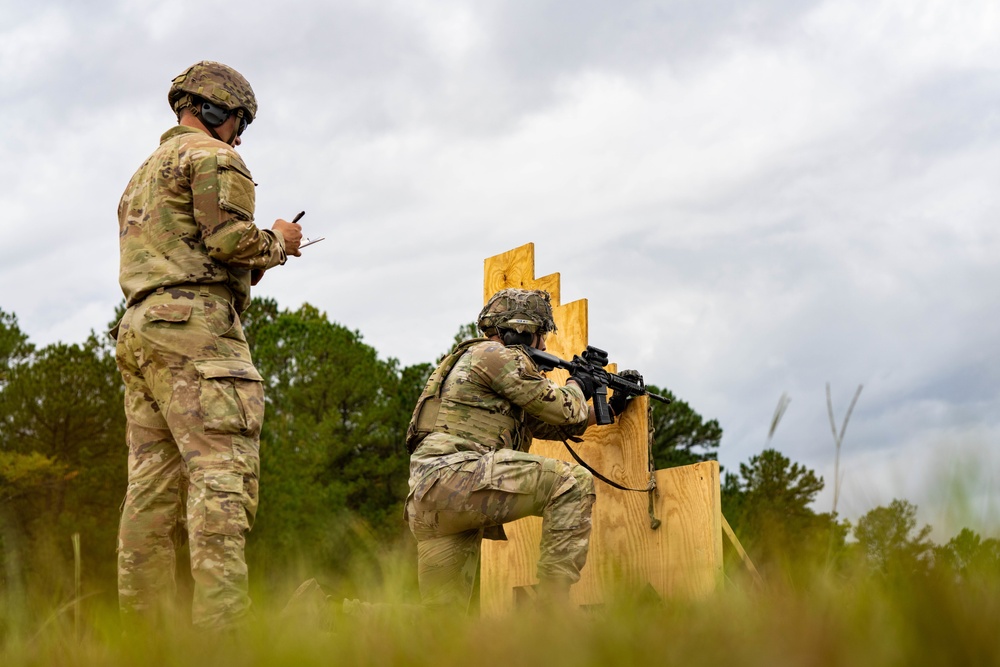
<point>333,440</point>
<point>23,478</point>
<point>61,418</point>
<point>66,403</point>
<point>23,474</point>
<point>778,486</point>
<point>969,556</point>
<point>888,543</point>
<point>681,436</point>
<point>14,346</point>
<point>768,507</point>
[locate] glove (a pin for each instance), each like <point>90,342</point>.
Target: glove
<point>620,399</point>
<point>618,402</point>
<point>586,382</point>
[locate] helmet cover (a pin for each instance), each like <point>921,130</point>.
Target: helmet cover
<point>215,83</point>
<point>524,311</point>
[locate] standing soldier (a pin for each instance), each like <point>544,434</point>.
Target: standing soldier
<point>470,471</point>
<point>193,400</point>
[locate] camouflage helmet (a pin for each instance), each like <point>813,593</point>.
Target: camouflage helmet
<point>518,309</point>
<point>215,83</point>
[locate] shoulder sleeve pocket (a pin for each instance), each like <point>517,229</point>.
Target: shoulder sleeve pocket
<point>236,186</point>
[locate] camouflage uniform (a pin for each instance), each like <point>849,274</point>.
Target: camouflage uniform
<point>193,400</point>
<point>471,473</point>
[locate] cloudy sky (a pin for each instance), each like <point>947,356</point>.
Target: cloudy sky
<point>756,197</point>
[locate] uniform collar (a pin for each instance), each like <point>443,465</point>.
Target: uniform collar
<point>178,130</point>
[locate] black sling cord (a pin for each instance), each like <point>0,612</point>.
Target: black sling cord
<point>654,523</point>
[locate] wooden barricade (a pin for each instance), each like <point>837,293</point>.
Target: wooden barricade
<point>682,557</point>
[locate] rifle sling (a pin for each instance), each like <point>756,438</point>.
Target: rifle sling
<point>601,477</point>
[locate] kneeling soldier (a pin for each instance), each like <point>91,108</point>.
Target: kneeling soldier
<point>470,471</point>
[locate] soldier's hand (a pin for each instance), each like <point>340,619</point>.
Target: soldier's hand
<point>292,233</point>
<point>586,383</point>
<point>620,400</point>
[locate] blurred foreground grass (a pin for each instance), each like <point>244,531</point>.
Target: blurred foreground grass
<point>826,619</point>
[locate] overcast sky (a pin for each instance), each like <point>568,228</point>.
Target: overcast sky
<point>755,197</point>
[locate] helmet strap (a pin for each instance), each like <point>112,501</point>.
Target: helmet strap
<point>211,130</point>
<point>232,138</point>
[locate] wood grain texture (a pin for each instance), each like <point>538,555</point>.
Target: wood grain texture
<point>514,268</point>
<point>683,557</point>
<point>550,284</point>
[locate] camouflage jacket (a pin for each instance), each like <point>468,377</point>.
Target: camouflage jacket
<point>494,398</point>
<point>187,217</point>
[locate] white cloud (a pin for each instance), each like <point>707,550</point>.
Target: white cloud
<point>26,49</point>
<point>912,38</point>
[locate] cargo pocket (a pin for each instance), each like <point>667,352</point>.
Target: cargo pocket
<point>512,471</point>
<point>236,186</point>
<point>225,513</point>
<point>232,396</point>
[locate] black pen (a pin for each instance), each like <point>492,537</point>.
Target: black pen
<point>305,241</point>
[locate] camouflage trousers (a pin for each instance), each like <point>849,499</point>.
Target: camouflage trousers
<point>194,404</point>
<point>469,498</point>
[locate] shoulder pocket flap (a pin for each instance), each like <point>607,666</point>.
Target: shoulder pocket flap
<point>225,482</point>
<point>169,312</point>
<point>227,368</point>
<point>229,161</point>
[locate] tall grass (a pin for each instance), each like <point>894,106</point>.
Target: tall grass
<point>850,618</point>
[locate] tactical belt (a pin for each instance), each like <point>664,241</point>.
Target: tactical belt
<point>204,289</point>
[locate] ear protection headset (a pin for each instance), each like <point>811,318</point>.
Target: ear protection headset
<point>213,115</point>
<point>511,337</point>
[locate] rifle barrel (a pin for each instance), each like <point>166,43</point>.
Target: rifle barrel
<point>661,399</point>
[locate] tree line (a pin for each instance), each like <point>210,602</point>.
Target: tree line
<point>334,466</point>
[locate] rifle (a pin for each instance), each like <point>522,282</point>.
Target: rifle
<point>592,363</point>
